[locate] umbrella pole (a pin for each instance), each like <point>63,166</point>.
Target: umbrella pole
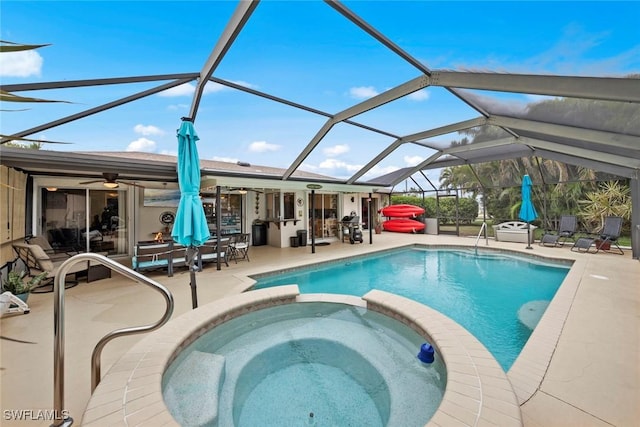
<point>528,236</point>
<point>192,254</point>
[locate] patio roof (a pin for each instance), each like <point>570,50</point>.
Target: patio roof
<point>560,135</point>
<point>587,144</point>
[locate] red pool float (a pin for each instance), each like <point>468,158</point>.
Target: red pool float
<point>403,225</point>
<point>402,211</point>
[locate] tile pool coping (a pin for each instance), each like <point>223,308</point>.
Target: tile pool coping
<point>477,391</point>
<point>130,394</point>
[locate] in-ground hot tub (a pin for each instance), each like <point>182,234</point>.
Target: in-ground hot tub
<point>131,392</point>
<point>324,362</point>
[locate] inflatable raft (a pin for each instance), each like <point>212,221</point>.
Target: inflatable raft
<point>402,211</point>
<point>403,225</point>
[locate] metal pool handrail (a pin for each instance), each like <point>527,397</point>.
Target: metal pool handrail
<point>61,416</point>
<point>486,236</point>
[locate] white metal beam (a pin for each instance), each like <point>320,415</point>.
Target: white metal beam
<point>586,163</point>
<point>240,17</point>
<point>309,148</point>
<point>603,88</point>
<point>443,130</point>
<point>97,109</point>
<point>600,156</point>
<point>563,131</point>
<point>383,98</point>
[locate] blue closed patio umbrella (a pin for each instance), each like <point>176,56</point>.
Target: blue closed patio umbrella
<point>527,210</point>
<point>190,228</point>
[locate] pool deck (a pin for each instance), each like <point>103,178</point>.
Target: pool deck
<point>591,335</point>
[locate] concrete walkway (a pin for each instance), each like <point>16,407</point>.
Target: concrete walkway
<point>593,378</point>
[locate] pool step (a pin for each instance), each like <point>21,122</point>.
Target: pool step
<point>194,389</point>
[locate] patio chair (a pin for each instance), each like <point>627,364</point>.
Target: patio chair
<point>37,261</point>
<point>566,230</point>
<point>603,241</point>
<point>240,247</point>
<point>153,255</point>
<point>209,251</point>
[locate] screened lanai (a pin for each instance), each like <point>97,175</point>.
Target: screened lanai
<point>447,114</point>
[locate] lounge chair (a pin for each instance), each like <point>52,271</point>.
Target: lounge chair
<point>603,241</point>
<point>55,254</point>
<point>37,261</point>
<point>566,230</point>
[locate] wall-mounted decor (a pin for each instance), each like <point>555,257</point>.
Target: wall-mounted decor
<point>161,197</point>
<point>167,218</point>
<point>257,204</point>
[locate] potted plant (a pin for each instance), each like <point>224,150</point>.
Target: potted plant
<point>378,226</point>
<point>17,284</point>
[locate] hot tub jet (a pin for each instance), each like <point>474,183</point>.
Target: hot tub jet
<point>426,353</point>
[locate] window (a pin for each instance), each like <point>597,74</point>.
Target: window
<point>273,205</point>
<point>289,205</point>
<point>230,214</point>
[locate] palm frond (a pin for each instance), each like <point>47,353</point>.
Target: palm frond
<point>10,97</point>
<point>6,46</point>
<point>8,138</point>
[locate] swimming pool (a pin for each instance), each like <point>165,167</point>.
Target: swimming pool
<point>484,293</point>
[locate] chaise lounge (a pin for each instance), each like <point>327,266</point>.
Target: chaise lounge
<point>603,241</point>
<point>37,261</point>
<point>566,230</point>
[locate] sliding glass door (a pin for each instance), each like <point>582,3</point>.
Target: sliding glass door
<point>325,208</point>
<point>84,219</point>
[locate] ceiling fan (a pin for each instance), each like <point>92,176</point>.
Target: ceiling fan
<point>244,190</point>
<point>111,181</point>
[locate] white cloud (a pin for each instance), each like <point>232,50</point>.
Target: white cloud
<point>338,164</point>
<point>263,146</point>
<point>224,159</point>
<point>182,90</point>
<point>363,92</point>
<point>379,171</point>
<point>308,167</point>
<point>188,89</point>
<point>336,150</point>
<point>147,130</point>
<point>212,87</point>
<point>421,95</point>
<point>142,144</point>
<point>413,160</point>
<point>245,84</point>
<point>21,64</point>
<point>176,107</point>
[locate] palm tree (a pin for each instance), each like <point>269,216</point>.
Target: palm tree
<point>611,199</point>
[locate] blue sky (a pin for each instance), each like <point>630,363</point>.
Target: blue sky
<point>303,51</point>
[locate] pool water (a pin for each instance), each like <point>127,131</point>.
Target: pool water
<point>274,367</point>
<point>483,292</point>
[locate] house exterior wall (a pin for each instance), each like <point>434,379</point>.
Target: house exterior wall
<point>13,198</point>
<point>143,222</point>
